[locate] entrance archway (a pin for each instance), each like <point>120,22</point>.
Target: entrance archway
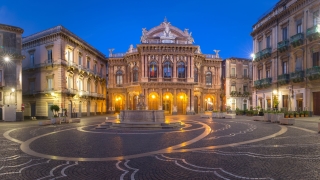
<point>153,101</point>
<point>182,103</point>
<point>196,104</point>
<point>167,103</point>
<point>119,105</point>
<point>209,102</point>
<point>135,102</point>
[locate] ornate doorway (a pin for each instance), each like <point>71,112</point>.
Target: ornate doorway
<point>119,104</point>
<point>196,104</point>
<point>153,102</point>
<point>167,103</point>
<point>182,103</point>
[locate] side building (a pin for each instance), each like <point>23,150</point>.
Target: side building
<point>286,44</point>
<point>11,106</point>
<point>237,80</point>
<point>62,69</point>
<point>169,70</point>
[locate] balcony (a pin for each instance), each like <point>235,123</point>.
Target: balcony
<point>239,94</point>
<point>263,54</point>
<point>233,76</point>
<point>297,40</point>
<point>263,83</point>
<point>283,45</point>
<point>10,51</point>
<point>313,73</point>
<point>297,76</point>
<point>283,79</point>
<point>314,32</point>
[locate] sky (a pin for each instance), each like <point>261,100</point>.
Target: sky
<point>104,24</point>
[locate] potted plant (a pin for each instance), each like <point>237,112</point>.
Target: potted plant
<point>55,109</point>
<point>301,114</point>
<point>306,113</point>
<point>291,114</point>
<point>296,114</point>
<point>286,115</point>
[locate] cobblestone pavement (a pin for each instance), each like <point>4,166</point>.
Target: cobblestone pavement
<point>205,149</point>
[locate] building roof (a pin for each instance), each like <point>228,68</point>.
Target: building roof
<point>11,28</point>
<point>245,59</point>
<point>56,30</point>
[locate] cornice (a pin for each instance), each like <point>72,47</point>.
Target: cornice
<point>11,28</point>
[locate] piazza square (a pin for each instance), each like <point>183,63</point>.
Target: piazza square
<point>73,106</point>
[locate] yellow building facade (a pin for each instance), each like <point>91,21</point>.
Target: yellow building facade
<point>169,70</point>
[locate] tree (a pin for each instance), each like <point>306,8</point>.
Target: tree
<point>55,109</point>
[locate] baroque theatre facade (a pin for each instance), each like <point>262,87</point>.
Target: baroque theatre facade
<point>169,70</point>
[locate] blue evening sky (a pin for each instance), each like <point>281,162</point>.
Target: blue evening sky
<point>224,25</point>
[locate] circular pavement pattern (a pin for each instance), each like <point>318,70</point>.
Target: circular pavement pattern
<point>204,149</point>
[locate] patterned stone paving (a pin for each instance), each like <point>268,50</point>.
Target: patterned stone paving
<point>205,149</point>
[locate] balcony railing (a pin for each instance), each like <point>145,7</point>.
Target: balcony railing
<point>313,73</point>
<point>263,54</point>
<point>297,76</point>
<point>297,40</point>
<point>239,94</point>
<point>283,45</point>
<point>313,32</point>
<point>262,83</point>
<point>233,76</point>
<point>283,79</point>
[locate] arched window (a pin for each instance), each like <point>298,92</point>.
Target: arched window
<point>195,74</point>
<point>88,86</point>
<point>181,70</point>
<point>208,78</point>
<point>153,69</point>
<point>167,70</point>
<point>135,74</point>
<point>119,77</point>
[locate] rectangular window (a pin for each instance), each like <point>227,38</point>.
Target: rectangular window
<point>88,87</point>
<point>268,73</point>
<point>49,55</point>
<point>95,68</point>
<point>233,88</point>
<point>31,87</point>
<point>259,45</point>
<point>316,18</point>
<point>69,56</point>
<point>268,42</point>
<point>245,72</point>
<point>284,33</point>
<point>50,84</point>
<point>260,74</point>
<point>88,63</point>
<point>233,72</point>
<point>298,64</point>
<point>80,59</point>
<point>316,58</point>
<point>245,88</point>
<point>299,27</point>
<point>31,60</point>
<point>285,67</point>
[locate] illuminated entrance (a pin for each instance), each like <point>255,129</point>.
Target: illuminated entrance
<point>119,104</point>
<point>167,103</point>
<point>209,103</point>
<point>182,103</point>
<point>153,102</point>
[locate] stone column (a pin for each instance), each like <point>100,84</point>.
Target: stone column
<point>174,111</point>
<point>192,68</point>
<point>192,102</point>
<point>160,98</point>
<point>174,69</point>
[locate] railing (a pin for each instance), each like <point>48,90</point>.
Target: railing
<point>283,79</point>
<point>233,75</point>
<point>181,79</point>
<point>283,45</point>
<point>257,83</point>
<point>313,73</point>
<point>239,94</point>
<point>10,51</point>
<point>245,76</point>
<point>313,32</point>
<point>211,56</point>
<point>117,55</point>
<point>263,83</point>
<point>266,52</point>
<point>297,76</point>
<point>297,40</point>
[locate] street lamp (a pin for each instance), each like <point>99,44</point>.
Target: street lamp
<point>6,58</point>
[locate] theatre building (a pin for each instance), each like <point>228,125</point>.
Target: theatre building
<point>169,70</point>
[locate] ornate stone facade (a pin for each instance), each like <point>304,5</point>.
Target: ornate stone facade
<point>286,71</point>
<point>62,69</point>
<point>169,70</point>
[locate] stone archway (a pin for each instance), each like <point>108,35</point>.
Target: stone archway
<point>210,103</point>
<point>153,101</point>
<point>119,103</point>
<point>182,101</point>
<point>167,101</point>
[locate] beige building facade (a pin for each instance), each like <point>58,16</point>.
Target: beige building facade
<point>237,79</point>
<point>286,44</point>
<point>169,70</point>
<point>62,69</point>
<point>11,105</point>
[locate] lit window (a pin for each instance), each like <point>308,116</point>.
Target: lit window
<point>167,70</point>
<point>208,78</point>
<point>119,77</point>
<point>181,70</point>
<point>153,69</point>
<point>50,84</point>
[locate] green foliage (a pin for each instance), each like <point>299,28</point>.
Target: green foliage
<point>55,109</point>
